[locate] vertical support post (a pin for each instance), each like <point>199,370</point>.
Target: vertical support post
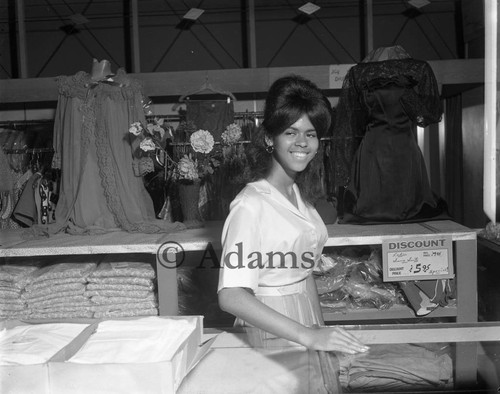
<point>369,26</point>
<point>466,276</point>
<point>21,26</point>
<point>490,110</point>
<point>442,153</point>
<point>136,58</point>
<point>168,299</point>
<point>252,43</point>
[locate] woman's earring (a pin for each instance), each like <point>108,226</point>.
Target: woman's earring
<point>270,149</point>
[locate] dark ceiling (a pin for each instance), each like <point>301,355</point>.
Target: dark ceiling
<point>60,34</point>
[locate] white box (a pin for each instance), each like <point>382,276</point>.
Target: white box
<point>58,376</point>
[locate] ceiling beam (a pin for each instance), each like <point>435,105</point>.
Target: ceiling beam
<point>21,31</point>
<point>135,47</point>
<point>251,36</point>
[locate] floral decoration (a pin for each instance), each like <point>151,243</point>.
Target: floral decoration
<point>202,161</point>
<point>199,161</point>
<point>187,168</point>
<point>202,141</point>
<point>152,140</point>
<point>235,164</point>
<point>232,134</point>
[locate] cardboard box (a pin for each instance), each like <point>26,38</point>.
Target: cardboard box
<point>34,378</point>
<point>58,376</point>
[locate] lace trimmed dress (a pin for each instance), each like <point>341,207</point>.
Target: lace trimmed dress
<point>99,191</point>
<point>377,156</point>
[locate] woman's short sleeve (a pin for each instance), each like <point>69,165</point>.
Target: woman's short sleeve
<point>240,245</point>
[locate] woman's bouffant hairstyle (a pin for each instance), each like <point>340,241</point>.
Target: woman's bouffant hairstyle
<point>288,99</point>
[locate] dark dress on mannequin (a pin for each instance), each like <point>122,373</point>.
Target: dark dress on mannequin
<point>378,158</point>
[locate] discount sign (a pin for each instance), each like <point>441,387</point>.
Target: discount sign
<point>418,258</point>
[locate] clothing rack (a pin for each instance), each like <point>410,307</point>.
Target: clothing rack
<point>247,115</point>
<point>16,124</point>
<point>215,143</point>
<point>28,150</point>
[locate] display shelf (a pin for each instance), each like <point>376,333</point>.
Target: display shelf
<point>18,243</point>
<point>464,242</point>
<point>197,240</point>
<point>232,344</point>
<point>464,249</point>
<point>14,244</point>
<point>395,312</point>
<point>465,261</point>
<point>492,244</point>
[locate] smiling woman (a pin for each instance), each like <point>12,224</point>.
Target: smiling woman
<point>294,148</point>
<point>275,214</point>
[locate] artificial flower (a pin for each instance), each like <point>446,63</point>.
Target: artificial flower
<point>135,128</point>
<point>147,145</point>
<point>199,163</point>
<point>232,134</point>
<point>202,141</point>
<point>152,143</point>
<point>187,168</point>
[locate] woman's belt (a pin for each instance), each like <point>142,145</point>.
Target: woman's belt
<point>293,288</point>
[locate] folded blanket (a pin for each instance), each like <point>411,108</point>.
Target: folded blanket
<point>119,287</point>
<point>75,300</point>
<point>99,300</point>
<point>53,290</point>
<point>16,276</point>
<point>395,367</point>
<point>124,306</point>
<point>61,271</point>
<point>120,269</point>
<point>126,313</point>
<point>52,282</point>
<point>10,294</point>
<point>61,315</point>
<point>118,293</point>
<point>55,296</point>
<point>123,280</point>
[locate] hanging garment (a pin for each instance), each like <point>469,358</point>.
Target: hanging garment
<point>25,211</point>
<point>211,115</point>
<point>99,191</point>
<point>20,181</point>
<point>214,116</point>
<point>6,187</point>
<point>378,157</point>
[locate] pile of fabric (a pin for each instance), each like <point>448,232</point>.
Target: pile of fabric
<point>58,291</point>
<point>13,279</point>
<point>118,289</point>
<point>397,367</point>
<point>352,278</point>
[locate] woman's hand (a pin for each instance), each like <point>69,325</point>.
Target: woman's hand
<point>333,339</point>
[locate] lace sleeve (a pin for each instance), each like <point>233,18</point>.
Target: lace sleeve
<point>350,122</point>
<point>422,102</point>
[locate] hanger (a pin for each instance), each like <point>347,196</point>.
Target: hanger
<point>203,89</point>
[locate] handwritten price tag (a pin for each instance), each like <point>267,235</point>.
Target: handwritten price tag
<point>337,75</point>
<point>418,258</point>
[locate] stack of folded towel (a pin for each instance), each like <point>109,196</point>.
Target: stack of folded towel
<point>118,289</point>
<point>58,291</point>
<point>13,279</point>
